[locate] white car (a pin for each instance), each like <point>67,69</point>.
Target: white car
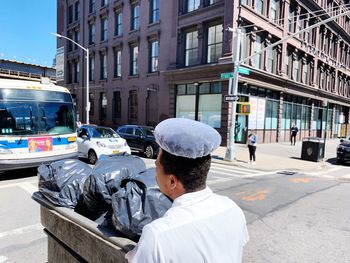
<point>94,141</point>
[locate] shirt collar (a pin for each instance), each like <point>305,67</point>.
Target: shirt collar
<point>194,197</point>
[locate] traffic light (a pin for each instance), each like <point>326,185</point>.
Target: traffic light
<point>243,108</point>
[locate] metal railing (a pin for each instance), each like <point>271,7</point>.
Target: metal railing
<point>21,75</point>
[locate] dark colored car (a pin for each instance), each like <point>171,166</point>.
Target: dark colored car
<point>140,138</point>
<point>343,151</point>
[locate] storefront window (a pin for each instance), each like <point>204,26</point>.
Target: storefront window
<point>208,98</point>
<point>209,109</point>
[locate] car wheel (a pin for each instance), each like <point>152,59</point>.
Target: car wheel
<point>92,157</point>
<point>149,151</point>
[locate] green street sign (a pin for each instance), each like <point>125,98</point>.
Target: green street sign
<point>243,70</point>
<point>226,75</point>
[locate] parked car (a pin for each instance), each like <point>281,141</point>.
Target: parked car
<point>93,141</point>
<point>140,138</point>
<point>343,150</point>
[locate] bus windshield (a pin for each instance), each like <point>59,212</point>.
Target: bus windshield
<point>31,118</point>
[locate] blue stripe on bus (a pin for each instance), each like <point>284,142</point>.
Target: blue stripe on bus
<point>24,143</point>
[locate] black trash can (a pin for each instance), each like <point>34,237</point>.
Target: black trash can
<point>312,149</point>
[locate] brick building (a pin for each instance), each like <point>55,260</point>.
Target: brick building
<point>153,59</point>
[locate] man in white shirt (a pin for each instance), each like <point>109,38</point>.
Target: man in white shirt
<point>200,226</point>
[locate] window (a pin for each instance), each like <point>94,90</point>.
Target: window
<point>76,72</point>
<point>213,1</point>
<point>305,74</point>
<point>290,19</point>
<point>258,57</point>
<point>104,2</point>
<point>271,55</point>
<point>135,15</point>
<point>70,14</point>
<point>76,38</point>
<point>118,30</point>
<point>296,70</point>
<point>192,5</point>
<point>103,106</point>
<point>133,104</point>
<point>191,52</point>
<point>117,105</point>
<point>214,43</point>
<point>70,43</point>
<point>274,11</point>
<point>92,104</point>
<point>76,10</point>
<point>154,8</point>
<point>92,31</point>
<point>134,60</point>
<point>208,98</point>
<point>154,50</point>
<point>103,66</point>
<point>70,72</point>
<point>259,6</point>
<point>92,6</point>
<point>103,29</point>
<point>117,63</point>
<point>91,68</point>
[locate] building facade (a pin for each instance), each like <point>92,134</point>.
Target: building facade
<point>153,59</point>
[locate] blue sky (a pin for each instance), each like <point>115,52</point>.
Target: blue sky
<point>25,27</point>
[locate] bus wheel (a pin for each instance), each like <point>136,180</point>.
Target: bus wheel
<point>92,157</point>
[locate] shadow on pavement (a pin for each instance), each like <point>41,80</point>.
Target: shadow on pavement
<point>18,174</point>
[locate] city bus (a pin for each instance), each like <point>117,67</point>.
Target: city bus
<point>37,124</point>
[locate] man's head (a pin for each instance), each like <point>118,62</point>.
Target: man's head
<point>184,157</point>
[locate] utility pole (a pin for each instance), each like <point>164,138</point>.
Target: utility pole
<point>230,150</point>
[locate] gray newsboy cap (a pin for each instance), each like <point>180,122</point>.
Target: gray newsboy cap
<point>186,138</point>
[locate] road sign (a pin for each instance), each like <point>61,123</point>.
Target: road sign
<point>231,98</point>
<point>226,75</point>
<point>243,70</point>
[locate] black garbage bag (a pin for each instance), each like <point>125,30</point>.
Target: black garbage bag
<point>105,180</point>
<point>137,203</point>
<point>61,182</point>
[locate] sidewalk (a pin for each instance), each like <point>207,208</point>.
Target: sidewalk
<point>278,156</point>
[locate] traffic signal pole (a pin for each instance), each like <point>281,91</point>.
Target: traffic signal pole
<point>232,90</point>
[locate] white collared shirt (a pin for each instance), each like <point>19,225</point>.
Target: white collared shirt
<point>199,227</point>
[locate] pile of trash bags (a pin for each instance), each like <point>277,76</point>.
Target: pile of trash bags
<point>119,191</point>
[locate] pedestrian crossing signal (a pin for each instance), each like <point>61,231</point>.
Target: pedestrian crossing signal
<point>244,108</point>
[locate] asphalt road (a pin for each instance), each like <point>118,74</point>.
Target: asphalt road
<point>291,218</point>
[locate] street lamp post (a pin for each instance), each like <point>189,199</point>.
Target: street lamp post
<point>87,73</point>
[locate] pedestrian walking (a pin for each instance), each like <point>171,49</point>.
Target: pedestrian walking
<point>200,226</point>
<point>293,134</point>
<point>252,142</point>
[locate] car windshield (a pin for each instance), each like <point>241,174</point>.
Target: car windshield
<point>149,131</point>
<point>100,132</point>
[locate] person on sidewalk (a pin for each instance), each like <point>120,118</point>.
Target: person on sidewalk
<point>200,226</point>
<point>252,142</point>
<point>293,134</point>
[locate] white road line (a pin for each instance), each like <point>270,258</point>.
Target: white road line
<point>3,259</point>
<point>227,167</point>
<point>28,187</point>
<point>233,170</point>
<point>21,231</point>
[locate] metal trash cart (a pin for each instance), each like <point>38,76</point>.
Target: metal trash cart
<point>73,238</point>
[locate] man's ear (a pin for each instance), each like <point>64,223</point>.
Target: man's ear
<point>173,181</point>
